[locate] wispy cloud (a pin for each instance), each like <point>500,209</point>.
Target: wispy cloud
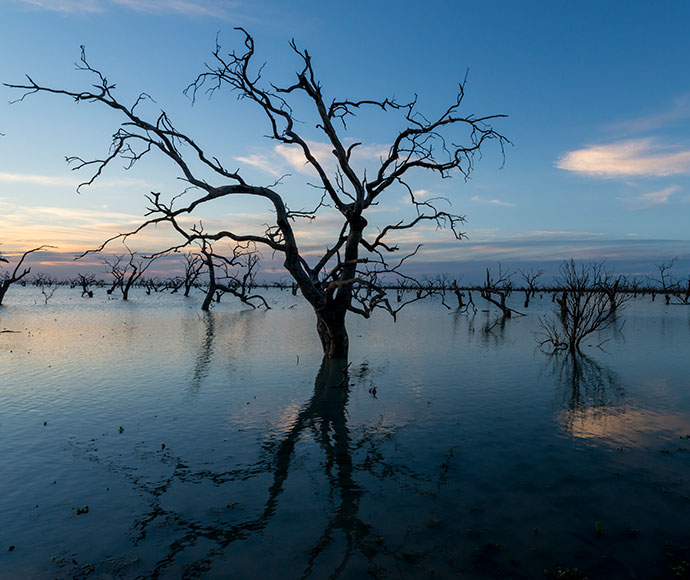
<point>652,199</point>
<point>498,202</point>
<point>215,8</point>
<point>283,158</point>
<point>564,234</point>
<point>260,162</point>
<point>87,6</point>
<point>206,8</point>
<point>38,179</point>
<point>59,181</point>
<point>422,193</point>
<point>679,110</point>
<point>631,158</point>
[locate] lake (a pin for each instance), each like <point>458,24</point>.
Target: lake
<point>148,439</point>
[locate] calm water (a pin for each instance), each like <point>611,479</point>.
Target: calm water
<point>146,439</point>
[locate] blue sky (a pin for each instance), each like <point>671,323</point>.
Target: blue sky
<point>597,96</point>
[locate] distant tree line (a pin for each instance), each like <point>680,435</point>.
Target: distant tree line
<point>586,296</point>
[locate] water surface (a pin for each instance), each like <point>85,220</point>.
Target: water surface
<point>147,439</point>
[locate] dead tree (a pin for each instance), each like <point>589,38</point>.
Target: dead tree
<point>672,287</point>
<point>8,278</point>
<point>234,275</point>
<point>615,288</point>
<point>496,290</point>
<point>47,284</point>
<point>530,278</point>
<point>356,260</point>
<point>154,284</point>
<point>460,295</point>
<point>125,271</point>
<point>193,266</point>
<point>85,281</point>
<point>583,307</point>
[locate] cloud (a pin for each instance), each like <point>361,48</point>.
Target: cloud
<point>207,8</point>
<point>70,229</point>
<point>88,6</point>
<point>680,109</point>
<point>478,199</point>
<point>654,198</point>
<point>190,8</point>
<point>56,181</point>
<point>38,179</point>
<point>293,156</point>
<point>290,157</point>
<point>631,158</point>
<point>554,234</point>
<point>260,162</point>
<point>421,193</point>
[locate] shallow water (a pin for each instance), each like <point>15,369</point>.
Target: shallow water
<point>218,446</point>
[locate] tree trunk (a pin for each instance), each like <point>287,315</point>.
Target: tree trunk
<point>3,289</point>
<point>330,324</point>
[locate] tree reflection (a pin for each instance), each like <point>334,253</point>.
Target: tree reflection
<point>591,391</point>
<point>198,543</point>
<point>203,358</point>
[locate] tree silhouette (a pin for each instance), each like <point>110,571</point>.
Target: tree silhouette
<point>126,271</point>
<point>8,278</point>
<point>223,275</point>
<point>588,303</point>
<point>356,260</point>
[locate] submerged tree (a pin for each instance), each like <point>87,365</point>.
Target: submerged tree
<point>671,286</point>
<point>85,281</point>
<point>193,265</point>
<point>234,275</point>
<point>125,271</point>
<point>357,260</point>
<point>530,277</point>
<point>497,289</point>
<point>584,306</point>
<point>8,278</point>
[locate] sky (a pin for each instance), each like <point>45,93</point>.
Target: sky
<point>597,98</point>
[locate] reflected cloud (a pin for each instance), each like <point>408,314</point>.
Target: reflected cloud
<point>591,394</point>
<point>594,406</point>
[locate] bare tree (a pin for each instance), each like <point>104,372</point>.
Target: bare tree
<point>530,278</point>
<point>460,296</point>
<point>85,281</point>
<point>47,284</point>
<point>125,271</point>
<point>7,278</point>
<point>497,289</point>
<point>615,288</point>
<point>584,307</point>
<point>193,266</point>
<point>356,260</point>
<point>234,275</point>
<point>671,286</point>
